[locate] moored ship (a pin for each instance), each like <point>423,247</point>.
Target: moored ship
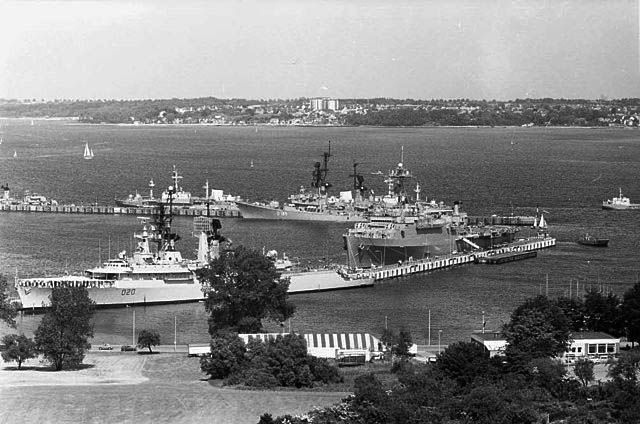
<point>309,205</point>
<point>150,276</point>
<point>591,240</point>
<point>304,280</point>
<point>435,232</point>
<point>619,203</point>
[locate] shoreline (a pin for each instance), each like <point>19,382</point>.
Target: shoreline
<point>265,125</point>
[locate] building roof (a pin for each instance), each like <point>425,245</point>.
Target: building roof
<point>488,336</point>
<point>591,335</point>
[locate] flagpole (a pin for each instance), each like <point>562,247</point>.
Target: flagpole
<point>483,322</point>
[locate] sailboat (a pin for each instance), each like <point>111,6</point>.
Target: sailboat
<point>15,153</point>
<point>88,153</point>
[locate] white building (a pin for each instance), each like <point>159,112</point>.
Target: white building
<point>592,345</point>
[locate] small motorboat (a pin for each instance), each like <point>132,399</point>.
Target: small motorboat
<point>589,240</point>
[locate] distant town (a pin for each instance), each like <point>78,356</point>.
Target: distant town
<point>335,112</point>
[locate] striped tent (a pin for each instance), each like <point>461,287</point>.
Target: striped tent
<point>326,345</point>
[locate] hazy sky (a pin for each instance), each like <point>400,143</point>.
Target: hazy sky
<point>491,49</point>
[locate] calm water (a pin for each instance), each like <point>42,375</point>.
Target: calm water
<point>566,172</point>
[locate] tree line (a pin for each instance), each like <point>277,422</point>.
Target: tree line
<point>528,384</point>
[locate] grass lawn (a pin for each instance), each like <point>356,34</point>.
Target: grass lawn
<point>124,387</point>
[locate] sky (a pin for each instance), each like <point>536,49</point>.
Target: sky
<point>420,49</point>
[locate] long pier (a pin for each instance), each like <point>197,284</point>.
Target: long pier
<point>441,262</point>
<point>224,212</point>
<point>115,210</point>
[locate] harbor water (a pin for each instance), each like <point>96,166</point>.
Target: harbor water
<point>563,172</point>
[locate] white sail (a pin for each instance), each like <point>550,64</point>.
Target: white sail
<point>88,153</point>
<point>542,224</point>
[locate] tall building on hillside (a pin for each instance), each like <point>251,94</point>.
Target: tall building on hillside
<point>333,104</point>
<point>324,103</point>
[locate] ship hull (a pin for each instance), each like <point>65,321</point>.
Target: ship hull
<point>365,252</point>
<point>150,292</point>
<point>632,206</point>
<point>407,245</point>
<point>254,211</point>
<point>595,243</point>
<point>121,294</point>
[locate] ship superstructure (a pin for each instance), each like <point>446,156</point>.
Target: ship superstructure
<point>312,204</point>
<point>402,229</point>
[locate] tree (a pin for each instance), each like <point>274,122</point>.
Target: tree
<point>226,357</point>
<point>627,368</point>
<point>603,312</point>
<point>538,329</point>
<point>402,345</point>
<point>18,348</point>
<point>8,310</point>
<point>65,329</point>
<point>630,313</point>
<point>242,289</point>
<point>463,362</point>
<point>148,338</point>
<point>574,309</point>
<point>583,369</point>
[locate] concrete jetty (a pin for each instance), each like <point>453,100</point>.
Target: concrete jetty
<point>115,210</point>
<point>446,261</point>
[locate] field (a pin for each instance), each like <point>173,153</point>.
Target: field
<point>125,387</point>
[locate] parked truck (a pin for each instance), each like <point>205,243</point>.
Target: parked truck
<point>198,349</point>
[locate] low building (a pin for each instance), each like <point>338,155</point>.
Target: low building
<point>592,345</point>
<point>493,341</point>
<point>333,346</point>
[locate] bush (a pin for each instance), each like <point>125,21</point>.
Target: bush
<point>226,357</point>
<point>259,378</point>
<point>282,361</point>
<point>323,371</point>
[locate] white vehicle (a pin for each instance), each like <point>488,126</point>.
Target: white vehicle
<point>198,349</point>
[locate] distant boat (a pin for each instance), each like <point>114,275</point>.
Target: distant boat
<point>15,154</point>
<point>88,153</point>
<point>620,203</point>
<point>589,240</point>
<point>0,140</point>
<point>252,163</point>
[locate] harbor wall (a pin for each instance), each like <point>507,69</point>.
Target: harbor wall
<point>115,210</point>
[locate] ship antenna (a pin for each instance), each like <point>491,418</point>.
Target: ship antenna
<point>401,154</point>
<point>355,175</point>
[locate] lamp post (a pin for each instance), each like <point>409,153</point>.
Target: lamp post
<point>429,334</point>
<point>439,333</point>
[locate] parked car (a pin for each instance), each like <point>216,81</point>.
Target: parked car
<point>105,346</point>
<point>128,348</point>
